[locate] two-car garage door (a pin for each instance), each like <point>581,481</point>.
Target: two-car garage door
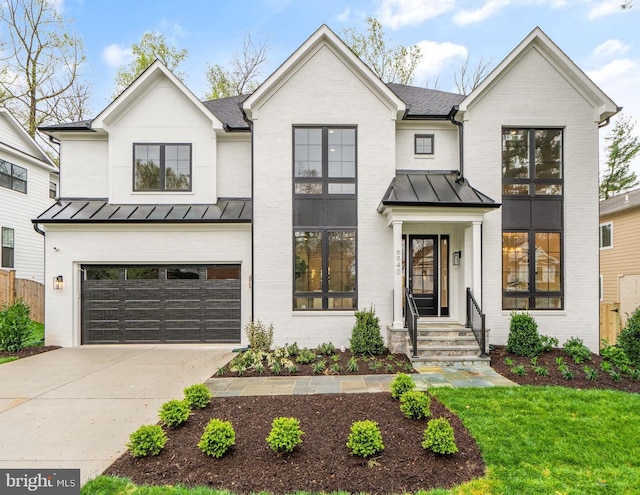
<point>160,304</point>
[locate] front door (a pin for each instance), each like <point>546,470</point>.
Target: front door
<point>423,273</point>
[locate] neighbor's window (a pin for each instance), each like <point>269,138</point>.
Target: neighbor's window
<point>13,177</point>
<point>606,235</point>
<point>162,167</point>
<point>423,144</point>
<point>7,247</point>
<point>53,190</point>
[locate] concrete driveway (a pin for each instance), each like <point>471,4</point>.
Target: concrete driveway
<point>75,407</point>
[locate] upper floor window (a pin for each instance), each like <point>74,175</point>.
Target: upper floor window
<point>606,235</point>
<point>13,177</point>
<point>53,190</point>
<point>423,144</point>
<point>7,247</point>
<point>162,167</point>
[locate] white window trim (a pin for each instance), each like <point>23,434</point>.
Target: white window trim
<point>610,224</point>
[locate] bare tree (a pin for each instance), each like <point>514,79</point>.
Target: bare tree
<point>244,73</point>
<point>467,78</point>
<point>40,63</point>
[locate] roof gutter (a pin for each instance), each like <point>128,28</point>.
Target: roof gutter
<point>452,119</point>
<point>37,228</point>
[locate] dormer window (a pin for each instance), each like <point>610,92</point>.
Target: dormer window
<point>423,144</point>
<point>161,167</point>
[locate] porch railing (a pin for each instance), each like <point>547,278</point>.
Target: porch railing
<point>411,319</point>
<point>476,322</point>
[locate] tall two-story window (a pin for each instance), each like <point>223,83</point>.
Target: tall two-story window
<point>161,167</point>
<point>532,219</point>
<point>13,176</point>
<point>8,239</point>
<point>324,218</point>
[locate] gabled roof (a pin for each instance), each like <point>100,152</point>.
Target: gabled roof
<point>433,188</point>
<point>621,202</point>
<point>146,80</point>
<point>31,151</point>
<point>538,40</point>
<point>321,38</point>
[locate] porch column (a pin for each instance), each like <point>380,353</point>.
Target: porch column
<point>397,275</point>
<point>476,286</point>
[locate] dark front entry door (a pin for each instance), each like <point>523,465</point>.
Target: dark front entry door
<point>423,273</point>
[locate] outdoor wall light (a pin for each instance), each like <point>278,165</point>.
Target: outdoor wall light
<point>457,256</point>
<point>58,282</point>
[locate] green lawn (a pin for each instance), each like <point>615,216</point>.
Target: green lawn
<point>535,440</point>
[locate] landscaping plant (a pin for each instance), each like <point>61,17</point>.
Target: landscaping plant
<point>576,350</point>
<point>306,356</point>
<point>629,338</point>
<point>259,336</point>
<point>326,349</point>
<point>285,434</point>
<point>614,354</point>
<point>15,326</point>
<point>366,338</point>
<point>174,412</point>
<point>524,339</point>
<point>197,396</point>
<point>415,404</point>
<point>401,383</point>
<point>147,440</point>
<point>218,437</point>
<point>365,439</point>
<point>439,437</point>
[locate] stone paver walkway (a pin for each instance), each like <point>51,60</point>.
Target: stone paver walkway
<point>428,377</point>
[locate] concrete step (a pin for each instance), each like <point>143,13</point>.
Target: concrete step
<point>446,340</point>
<point>452,361</point>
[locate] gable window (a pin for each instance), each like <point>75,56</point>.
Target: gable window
<point>7,247</point>
<point>13,177</point>
<point>324,218</point>
<point>606,235</point>
<point>53,190</point>
<point>162,167</point>
<point>423,144</point>
<point>532,219</point>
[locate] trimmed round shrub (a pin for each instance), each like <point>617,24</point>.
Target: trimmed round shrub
<point>439,437</point>
<point>401,383</point>
<point>174,412</point>
<point>218,437</point>
<point>629,338</point>
<point>366,339</point>
<point>197,396</point>
<point>415,404</point>
<point>524,339</point>
<point>147,440</point>
<point>285,434</point>
<point>365,438</point>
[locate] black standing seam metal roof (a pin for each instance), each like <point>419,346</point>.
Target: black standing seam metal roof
<point>433,188</point>
<point>233,210</point>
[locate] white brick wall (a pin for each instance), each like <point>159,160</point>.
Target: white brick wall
<point>84,167</point>
<point>445,146</point>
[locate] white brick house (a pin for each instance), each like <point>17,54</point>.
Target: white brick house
<point>326,191</point>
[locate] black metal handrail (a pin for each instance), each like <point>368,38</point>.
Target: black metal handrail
<point>411,318</point>
<point>476,322</point>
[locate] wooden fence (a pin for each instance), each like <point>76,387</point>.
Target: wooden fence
<point>609,322</point>
<point>32,292</point>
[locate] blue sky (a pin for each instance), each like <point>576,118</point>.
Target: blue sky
<point>601,38</point>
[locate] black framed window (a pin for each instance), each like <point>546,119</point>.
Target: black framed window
<point>8,247</point>
<point>423,144</point>
<point>13,176</point>
<point>532,218</point>
<point>324,218</point>
<point>161,167</point>
<point>606,235</point>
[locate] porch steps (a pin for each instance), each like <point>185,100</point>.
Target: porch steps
<point>446,344</point>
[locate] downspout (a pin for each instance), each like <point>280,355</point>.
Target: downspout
<point>453,120</point>
<point>253,219</point>
<point>38,229</point>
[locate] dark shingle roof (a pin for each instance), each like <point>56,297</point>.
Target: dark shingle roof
<point>101,211</point>
<point>82,125</point>
<point>433,188</point>
<point>630,199</point>
<point>425,102</point>
<point>229,111</point>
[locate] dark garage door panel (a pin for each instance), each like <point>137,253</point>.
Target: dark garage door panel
<point>161,310</point>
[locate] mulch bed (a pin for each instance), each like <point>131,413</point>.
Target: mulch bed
<point>29,351</point>
<point>322,463</point>
<point>548,360</point>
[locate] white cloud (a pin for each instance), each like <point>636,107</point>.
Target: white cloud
<point>436,57</point>
<point>115,55</point>
<point>174,29</point>
<point>603,8</point>
<point>344,16</point>
<point>610,47</point>
<point>398,13</point>
<point>490,8</point>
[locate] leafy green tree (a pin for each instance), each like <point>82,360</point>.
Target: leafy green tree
<point>152,46</point>
<point>243,74</point>
<point>39,64</point>
<point>395,64</point>
<point>622,148</point>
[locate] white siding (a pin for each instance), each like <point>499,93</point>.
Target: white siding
<point>84,168</point>
<point>445,146</point>
<point>234,165</point>
<point>534,94</point>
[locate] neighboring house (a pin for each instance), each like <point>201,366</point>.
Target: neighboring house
<point>28,184</point>
<point>325,191</point>
<point>619,253</point>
